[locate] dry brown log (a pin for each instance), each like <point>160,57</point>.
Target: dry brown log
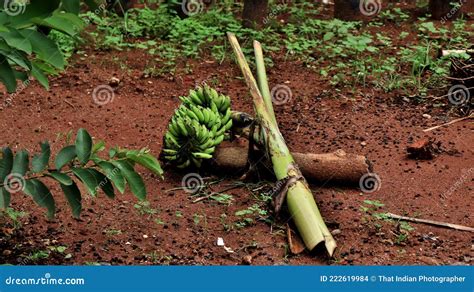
<point>337,166</point>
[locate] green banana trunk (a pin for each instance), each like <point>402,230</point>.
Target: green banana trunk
<point>300,200</point>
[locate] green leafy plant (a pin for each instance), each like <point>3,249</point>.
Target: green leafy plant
<point>247,215</point>
<point>10,216</point>
<point>80,161</point>
<point>24,49</point>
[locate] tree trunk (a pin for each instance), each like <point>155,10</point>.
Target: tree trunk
<point>444,10</point>
<point>355,10</point>
<point>335,167</point>
<point>254,13</point>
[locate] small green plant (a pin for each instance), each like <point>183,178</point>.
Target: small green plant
<point>144,208</point>
<point>11,216</point>
<point>223,219</point>
<point>38,255</point>
<point>81,161</point>
<point>59,249</point>
<point>248,216</point>
<point>394,15</point>
<point>113,232</point>
<point>406,226</point>
<point>221,198</point>
<point>370,206</point>
<point>401,238</point>
<point>159,221</point>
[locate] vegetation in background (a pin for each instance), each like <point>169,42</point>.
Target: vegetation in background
<point>344,53</point>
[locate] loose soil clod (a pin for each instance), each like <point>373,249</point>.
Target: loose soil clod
<point>424,149</point>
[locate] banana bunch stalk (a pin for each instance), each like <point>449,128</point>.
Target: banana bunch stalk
<point>197,127</point>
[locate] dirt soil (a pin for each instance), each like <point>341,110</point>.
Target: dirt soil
<point>317,119</point>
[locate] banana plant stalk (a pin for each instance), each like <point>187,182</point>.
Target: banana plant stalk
<point>300,201</point>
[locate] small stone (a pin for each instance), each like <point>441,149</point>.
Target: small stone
<point>7,252</point>
<point>426,116</point>
<point>220,241</point>
<point>247,260</point>
<point>472,247</point>
<point>363,143</point>
<point>406,99</point>
<point>336,232</point>
<point>114,81</point>
<point>145,236</point>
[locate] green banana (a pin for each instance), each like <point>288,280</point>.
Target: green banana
<point>202,155</point>
<point>218,140</point>
<point>197,127</point>
<point>170,151</point>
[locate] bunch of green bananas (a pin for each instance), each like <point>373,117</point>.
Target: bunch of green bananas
<point>197,127</point>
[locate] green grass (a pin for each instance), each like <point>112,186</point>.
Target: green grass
<point>345,54</point>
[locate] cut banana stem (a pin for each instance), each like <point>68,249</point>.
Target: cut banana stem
<point>300,201</point>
